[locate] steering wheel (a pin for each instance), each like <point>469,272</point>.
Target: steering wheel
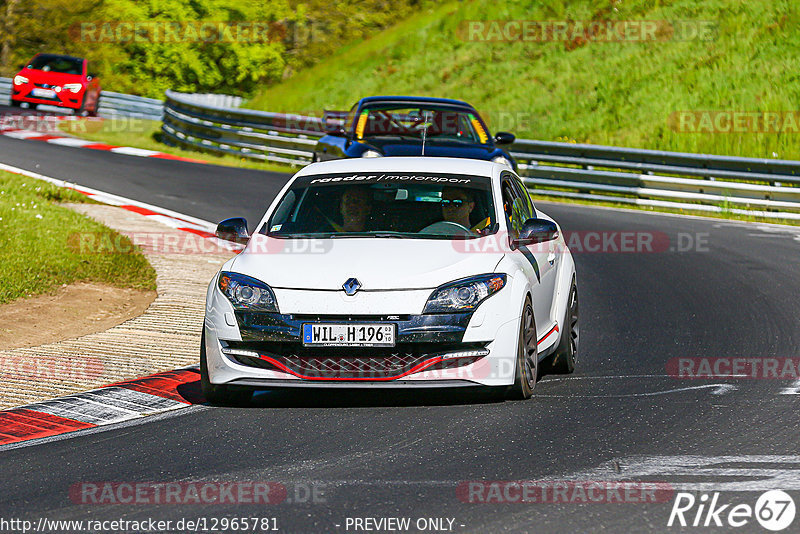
<point>446,228</point>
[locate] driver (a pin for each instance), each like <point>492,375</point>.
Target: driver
<point>457,206</point>
<point>355,207</point>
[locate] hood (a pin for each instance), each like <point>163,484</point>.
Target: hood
<point>378,263</point>
<point>53,78</point>
<point>411,147</point>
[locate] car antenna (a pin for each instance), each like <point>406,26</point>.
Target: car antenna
<point>425,129</point>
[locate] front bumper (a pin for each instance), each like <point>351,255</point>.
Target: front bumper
<point>64,99</point>
<point>273,341</point>
<point>266,349</point>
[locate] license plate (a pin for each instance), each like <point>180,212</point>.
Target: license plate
<point>43,93</point>
<point>348,335</point>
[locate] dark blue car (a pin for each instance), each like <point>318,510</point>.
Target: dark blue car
<point>412,126</point>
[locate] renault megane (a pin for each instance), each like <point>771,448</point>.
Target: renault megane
<point>393,272</point>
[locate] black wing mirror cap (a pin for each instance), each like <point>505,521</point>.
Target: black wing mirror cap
<point>537,231</point>
<point>504,138</point>
<point>233,229</point>
<point>335,129</point>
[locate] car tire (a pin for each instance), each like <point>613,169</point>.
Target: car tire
<point>16,104</point>
<point>563,360</point>
<point>219,394</point>
<point>527,366</point>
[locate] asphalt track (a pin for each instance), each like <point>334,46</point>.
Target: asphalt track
<point>399,455</point>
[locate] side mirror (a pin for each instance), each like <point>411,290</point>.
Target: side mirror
<point>537,231</point>
<point>335,129</point>
<point>234,229</point>
<point>504,138</point>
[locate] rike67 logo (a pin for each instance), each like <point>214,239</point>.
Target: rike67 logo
<point>774,510</point>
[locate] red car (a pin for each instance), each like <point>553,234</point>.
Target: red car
<point>56,80</point>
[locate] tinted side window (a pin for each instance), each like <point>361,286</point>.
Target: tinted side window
<point>530,209</point>
<point>515,208</point>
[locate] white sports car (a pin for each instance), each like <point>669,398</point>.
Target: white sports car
<point>393,272</point>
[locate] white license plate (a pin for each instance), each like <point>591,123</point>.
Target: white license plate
<point>43,93</point>
<point>348,335</point>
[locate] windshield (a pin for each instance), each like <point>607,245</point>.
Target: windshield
<point>66,65</point>
<point>403,205</point>
<point>437,123</point>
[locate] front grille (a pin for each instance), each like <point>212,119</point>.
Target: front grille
<point>351,363</point>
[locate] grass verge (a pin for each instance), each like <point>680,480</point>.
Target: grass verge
<point>37,243</point>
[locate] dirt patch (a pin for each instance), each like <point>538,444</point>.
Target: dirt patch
<point>73,311</point>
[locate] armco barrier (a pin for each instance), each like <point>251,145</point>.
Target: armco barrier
<point>700,182</point>
<point>258,135</point>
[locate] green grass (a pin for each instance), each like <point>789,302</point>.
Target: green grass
<point>38,243</point>
<point>146,134</point>
<point>615,93</point>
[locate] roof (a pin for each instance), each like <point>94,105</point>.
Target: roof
<point>416,100</point>
<point>474,167</point>
<point>47,54</point>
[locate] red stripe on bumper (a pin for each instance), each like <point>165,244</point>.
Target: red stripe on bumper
<point>554,329</point>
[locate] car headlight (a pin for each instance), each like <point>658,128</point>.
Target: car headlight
<point>371,154</point>
<point>502,159</point>
<point>74,87</point>
<point>247,293</point>
<point>20,80</point>
<point>464,295</point>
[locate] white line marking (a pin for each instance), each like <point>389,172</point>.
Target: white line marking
<point>784,475</point>
<point>131,151</point>
<point>794,389</point>
<point>23,134</point>
<point>70,141</point>
<point>111,199</point>
<point>718,389</point>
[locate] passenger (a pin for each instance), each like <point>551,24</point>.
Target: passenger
<point>355,207</point>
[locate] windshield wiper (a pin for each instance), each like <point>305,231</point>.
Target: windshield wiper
<point>369,234</point>
<point>308,235</point>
